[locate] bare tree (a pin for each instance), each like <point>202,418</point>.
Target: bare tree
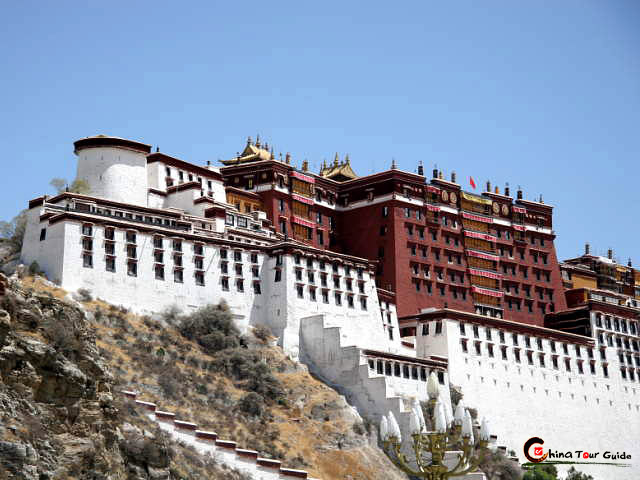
<point>59,184</point>
<point>12,233</point>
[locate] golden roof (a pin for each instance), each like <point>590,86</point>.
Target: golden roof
<point>251,153</point>
<point>339,172</point>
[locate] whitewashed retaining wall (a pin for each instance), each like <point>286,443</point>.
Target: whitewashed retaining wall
<point>224,451</point>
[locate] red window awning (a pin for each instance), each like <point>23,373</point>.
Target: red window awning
<point>303,177</point>
<point>486,291</point>
<point>486,256</point>
<point>481,236</point>
<point>302,221</point>
<point>477,218</point>
<point>483,273</point>
<point>300,198</point>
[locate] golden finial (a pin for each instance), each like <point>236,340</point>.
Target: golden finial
<point>266,146</point>
<point>272,156</point>
<point>288,158</point>
<point>249,141</point>
<point>258,141</point>
<point>336,161</point>
<point>440,176</point>
<point>305,165</point>
<point>346,160</point>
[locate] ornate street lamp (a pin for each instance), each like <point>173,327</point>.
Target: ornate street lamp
<point>429,447</point>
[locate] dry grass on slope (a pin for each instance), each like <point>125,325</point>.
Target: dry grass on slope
<point>309,426</point>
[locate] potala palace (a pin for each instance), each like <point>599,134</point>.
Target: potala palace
<point>373,282</point>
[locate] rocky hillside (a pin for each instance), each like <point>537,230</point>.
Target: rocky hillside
<point>63,362</point>
<point>60,417</point>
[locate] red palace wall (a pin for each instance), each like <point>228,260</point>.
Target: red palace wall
<point>442,249</point>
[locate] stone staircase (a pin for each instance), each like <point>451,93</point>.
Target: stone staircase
<point>224,451</point>
<point>338,361</point>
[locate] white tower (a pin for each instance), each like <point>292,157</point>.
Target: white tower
<point>114,168</point>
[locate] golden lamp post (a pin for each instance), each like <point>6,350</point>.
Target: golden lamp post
<point>429,447</point>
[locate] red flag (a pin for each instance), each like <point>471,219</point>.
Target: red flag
<point>473,184</point>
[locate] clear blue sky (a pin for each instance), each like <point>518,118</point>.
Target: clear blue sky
<point>540,94</point>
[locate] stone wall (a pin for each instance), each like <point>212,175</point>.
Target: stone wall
<point>224,451</point>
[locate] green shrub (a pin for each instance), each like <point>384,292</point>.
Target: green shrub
<point>212,327</point>
<point>171,314</point>
<point>251,373</point>
<point>216,341</point>
<point>169,384</point>
<point>84,295</point>
<point>262,332</point>
<point>252,404</point>
<point>34,268</point>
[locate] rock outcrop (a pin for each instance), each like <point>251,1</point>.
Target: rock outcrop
<point>58,417</point>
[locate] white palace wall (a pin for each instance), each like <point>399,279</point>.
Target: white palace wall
<point>242,275</point>
<point>569,410</point>
<point>144,293</point>
<point>360,323</point>
<point>49,252</point>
